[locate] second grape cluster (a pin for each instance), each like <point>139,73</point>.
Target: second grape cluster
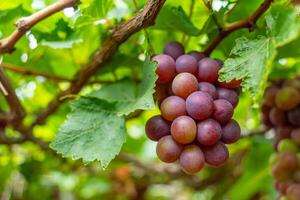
<point>196,110</point>
<point>281,111</point>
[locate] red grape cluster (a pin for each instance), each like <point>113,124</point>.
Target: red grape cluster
<point>281,111</point>
<point>196,110</point>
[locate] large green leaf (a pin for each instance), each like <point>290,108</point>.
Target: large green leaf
<point>175,19</point>
<point>92,132</point>
<point>127,96</point>
<point>249,61</point>
<point>283,24</point>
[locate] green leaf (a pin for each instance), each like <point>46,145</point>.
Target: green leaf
<point>93,10</point>
<point>127,96</point>
<point>91,132</point>
<point>243,9</point>
<point>249,61</point>
<point>289,50</point>
<point>283,24</point>
<point>175,19</point>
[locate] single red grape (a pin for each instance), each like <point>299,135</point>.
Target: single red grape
<point>216,155</point>
<point>168,150</point>
<point>183,130</point>
<point>191,159</point>
<point>277,117</point>
<point>165,69</point>
<point>288,161</point>
<point>223,111</point>
<point>186,63</point>
<point>229,95</point>
<point>184,84</point>
<point>287,98</point>
<point>172,107</point>
<point>199,105</point>
<point>209,88</point>
<point>270,94</point>
<point>209,132</point>
<point>174,49</point>
<point>156,128</point>
<point>208,70</point>
<point>231,132</point>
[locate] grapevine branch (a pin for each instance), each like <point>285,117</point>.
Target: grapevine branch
<point>144,18</point>
<point>16,108</point>
<point>7,45</point>
<point>248,22</point>
<point>27,71</point>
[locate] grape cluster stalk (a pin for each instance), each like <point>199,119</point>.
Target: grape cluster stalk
<point>281,111</point>
<point>196,122</point>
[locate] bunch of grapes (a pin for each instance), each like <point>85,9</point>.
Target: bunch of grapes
<point>281,111</point>
<point>196,110</point>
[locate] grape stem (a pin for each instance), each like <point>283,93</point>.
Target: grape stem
<point>248,22</point>
<point>17,112</point>
<point>28,71</point>
<point>7,45</point>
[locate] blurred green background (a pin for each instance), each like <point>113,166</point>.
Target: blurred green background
<point>65,42</point>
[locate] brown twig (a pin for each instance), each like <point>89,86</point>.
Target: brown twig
<point>27,71</point>
<point>7,45</point>
<point>144,18</point>
<point>248,22</point>
<point>16,108</point>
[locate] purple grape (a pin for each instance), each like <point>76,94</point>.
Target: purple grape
<point>208,70</point>
<point>294,116</point>
<point>223,111</point>
<point>168,150</point>
<point>184,129</point>
<point>197,55</point>
<point>208,132</point>
<point>216,155</point>
<point>166,70</point>
<point>172,107</point>
<point>156,128</point>
<point>231,132</point>
<point>209,88</point>
<point>186,63</point>
<point>191,159</point>
<point>174,49</point>
<point>277,117</point>
<point>229,95</point>
<point>199,105</point>
<point>269,96</point>
<point>184,84</point>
